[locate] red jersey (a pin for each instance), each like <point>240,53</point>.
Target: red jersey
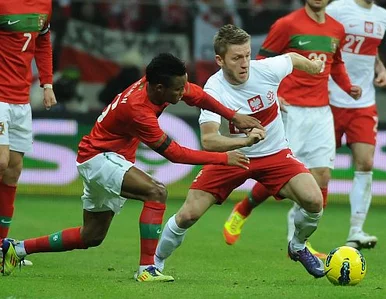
<point>24,34</point>
<point>297,32</point>
<point>132,118</point>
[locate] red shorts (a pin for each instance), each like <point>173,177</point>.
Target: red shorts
<point>272,171</point>
<point>359,124</point>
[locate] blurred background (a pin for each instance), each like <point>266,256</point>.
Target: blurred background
<point>101,47</point>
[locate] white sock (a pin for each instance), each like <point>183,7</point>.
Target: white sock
<point>305,224</point>
<point>291,221</point>
<point>172,237</point>
<point>360,199</point>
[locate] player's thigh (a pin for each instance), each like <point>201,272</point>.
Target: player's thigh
<point>220,180</point>
<point>20,128</point>
<point>304,190</point>
<point>320,145</point>
<point>196,204</point>
<point>5,117</point>
<point>139,185</point>
<point>363,156</point>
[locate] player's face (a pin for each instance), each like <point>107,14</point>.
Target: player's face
<point>175,91</point>
<point>235,63</point>
<point>316,5</point>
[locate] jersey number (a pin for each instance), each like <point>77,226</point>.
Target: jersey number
<point>28,36</point>
<point>353,43</point>
<point>111,106</point>
<point>322,57</point>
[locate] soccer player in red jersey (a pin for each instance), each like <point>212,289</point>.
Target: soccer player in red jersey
<point>24,35</point>
<point>307,116</point>
<point>106,160</point>
<point>365,25</point>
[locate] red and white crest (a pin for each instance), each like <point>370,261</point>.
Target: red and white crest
<point>369,27</point>
<point>255,103</point>
<point>271,96</point>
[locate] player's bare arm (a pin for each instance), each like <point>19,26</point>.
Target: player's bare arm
<point>242,121</point>
<point>302,63</point>
<point>380,73</point>
<point>211,140</point>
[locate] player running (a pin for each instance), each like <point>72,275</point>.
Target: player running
<point>307,115</point>
<point>365,24</point>
<point>106,159</point>
<point>24,35</point>
<point>251,87</point>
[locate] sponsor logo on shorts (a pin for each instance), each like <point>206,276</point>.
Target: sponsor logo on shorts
<point>2,127</point>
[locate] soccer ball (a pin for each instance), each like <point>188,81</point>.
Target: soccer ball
<point>345,266</point>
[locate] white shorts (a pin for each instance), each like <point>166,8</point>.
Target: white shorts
<point>16,126</point>
<point>311,136</point>
<point>102,180</point>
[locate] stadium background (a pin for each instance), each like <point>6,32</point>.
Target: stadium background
<point>100,46</point>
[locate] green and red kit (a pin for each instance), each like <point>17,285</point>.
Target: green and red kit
<point>24,35</point>
<point>297,32</point>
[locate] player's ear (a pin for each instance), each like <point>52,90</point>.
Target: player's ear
<point>160,87</point>
<point>219,60</point>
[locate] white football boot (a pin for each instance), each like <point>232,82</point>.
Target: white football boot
<point>361,240</point>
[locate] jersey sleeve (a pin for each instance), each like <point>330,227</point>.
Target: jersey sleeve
<point>279,67</point>
<point>206,115</point>
<point>194,95</point>
<point>43,56</point>
<point>277,40</point>
<point>146,128</point>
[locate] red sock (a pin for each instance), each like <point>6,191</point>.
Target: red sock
<point>325,195</point>
<point>150,223</point>
<point>64,240</point>
<point>257,195</point>
<point>7,199</point>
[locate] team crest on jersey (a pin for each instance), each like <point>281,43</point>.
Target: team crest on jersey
<point>369,27</point>
<point>41,21</point>
<point>379,30</point>
<point>334,44</point>
<point>270,97</point>
<point>255,103</point>
<point>2,127</point>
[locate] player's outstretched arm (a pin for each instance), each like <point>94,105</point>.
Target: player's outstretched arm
<point>302,63</point>
<point>212,141</point>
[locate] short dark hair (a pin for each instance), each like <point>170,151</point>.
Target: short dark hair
<point>163,67</point>
<point>229,35</point>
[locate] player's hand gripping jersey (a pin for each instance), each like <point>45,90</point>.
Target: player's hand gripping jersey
<point>365,29</point>
<point>24,34</point>
<point>257,97</point>
<point>297,32</point>
<point>132,118</point>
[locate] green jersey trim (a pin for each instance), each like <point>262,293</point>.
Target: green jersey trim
<point>267,53</point>
<point>314,43</point>
<point>32,22</point>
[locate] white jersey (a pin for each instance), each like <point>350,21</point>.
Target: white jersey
<point>365,29</point>
<point>257,97</point>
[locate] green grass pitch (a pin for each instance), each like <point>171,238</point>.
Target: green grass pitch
<point>204,266</point>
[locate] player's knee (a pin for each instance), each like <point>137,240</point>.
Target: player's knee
<point>314,201</point>
<point>158,193</point>
<point>365,165</point>
<point>12,174</point>
<point>3,166</point>
<point>185,218</point>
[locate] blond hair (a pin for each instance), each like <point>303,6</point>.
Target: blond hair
<point>229,35</point>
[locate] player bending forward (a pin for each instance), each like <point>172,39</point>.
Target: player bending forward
<point>251,87</point>
<point>106,164</point>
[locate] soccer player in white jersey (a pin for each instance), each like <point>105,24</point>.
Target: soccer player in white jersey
<point>365,25</point>
<point>251,88</point>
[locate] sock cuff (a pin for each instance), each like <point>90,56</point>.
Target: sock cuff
<point>172,224</point>
<point>310,215</point>
<point>155,205</point>
<point>5,186</point>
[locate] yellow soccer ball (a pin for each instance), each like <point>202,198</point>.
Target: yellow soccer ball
<point>345,266</point>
